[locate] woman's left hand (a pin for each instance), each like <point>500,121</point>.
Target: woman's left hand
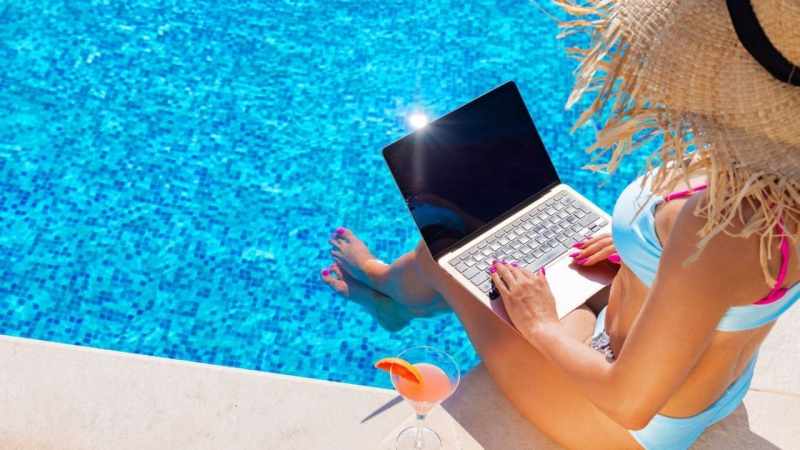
<point>526,296</point>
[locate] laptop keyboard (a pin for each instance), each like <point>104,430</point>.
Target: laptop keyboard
<point>532,240</point>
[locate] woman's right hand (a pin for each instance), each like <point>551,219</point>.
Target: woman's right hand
<point>594,250</point>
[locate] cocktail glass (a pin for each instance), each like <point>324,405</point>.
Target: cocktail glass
<point>440,377</point>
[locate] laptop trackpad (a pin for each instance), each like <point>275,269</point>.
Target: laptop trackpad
<point>571,285</point>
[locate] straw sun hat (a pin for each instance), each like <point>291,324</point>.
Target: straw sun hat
<point>718,82</point>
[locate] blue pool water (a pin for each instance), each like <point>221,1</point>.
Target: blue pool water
<point>170,171</point>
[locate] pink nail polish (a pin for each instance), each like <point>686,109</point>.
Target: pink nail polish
<point>542,272</point>
<point>574,254</point>
<point>581,261</point>
<point>325,273</point>
<point>578,244</point>
<point>614,258</point>
<point>339,231</point>
<point>492,269</point>
<point>514,264</point>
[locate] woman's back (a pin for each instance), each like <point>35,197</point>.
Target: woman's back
<point>728,353</point>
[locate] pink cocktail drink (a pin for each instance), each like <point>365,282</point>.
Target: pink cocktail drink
<point>434,388</point>
<point>424,377</point>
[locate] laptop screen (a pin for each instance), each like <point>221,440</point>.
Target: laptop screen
<point>472,166</point>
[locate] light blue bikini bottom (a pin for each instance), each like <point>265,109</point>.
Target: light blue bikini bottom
<point>669,433</point>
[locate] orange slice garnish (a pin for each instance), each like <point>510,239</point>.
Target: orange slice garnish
<point>401,368</point>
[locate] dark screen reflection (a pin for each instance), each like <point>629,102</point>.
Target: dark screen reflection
<point>470,166</point>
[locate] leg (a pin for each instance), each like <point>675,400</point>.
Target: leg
<point>538,389</point>
<point>395,292</point>
<point>391,315</point>
<point>398,280</point>
<point>402,281</point>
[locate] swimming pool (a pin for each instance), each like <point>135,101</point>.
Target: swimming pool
<point>170,171</point>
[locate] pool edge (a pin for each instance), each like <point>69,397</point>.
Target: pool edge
<point>72,397</point>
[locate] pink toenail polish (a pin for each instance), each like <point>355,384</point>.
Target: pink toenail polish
<point>574,254</point>
<point>581,261</point>
<point>325,273</point>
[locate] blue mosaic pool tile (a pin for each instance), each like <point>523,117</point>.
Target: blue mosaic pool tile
<point>170,172</point>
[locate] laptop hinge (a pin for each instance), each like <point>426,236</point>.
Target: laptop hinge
<point>522,205</point>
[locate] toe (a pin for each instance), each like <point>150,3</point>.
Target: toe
<point>341,288</point>
<point>327,274</point>
<point>330,278</point>
<point>344,233</point>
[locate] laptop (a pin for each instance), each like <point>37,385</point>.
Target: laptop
<point>480,186</point>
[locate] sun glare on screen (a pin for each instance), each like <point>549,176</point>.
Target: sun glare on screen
<point>417,120</point>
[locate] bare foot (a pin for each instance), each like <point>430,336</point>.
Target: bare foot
<point>353,256</point>
<point>390,315</point>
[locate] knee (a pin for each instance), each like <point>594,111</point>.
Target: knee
<point>427,268</point>
<point>422,258</point>
<point>420,247</point>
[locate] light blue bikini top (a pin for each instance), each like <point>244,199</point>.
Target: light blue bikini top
<point>638,246</point>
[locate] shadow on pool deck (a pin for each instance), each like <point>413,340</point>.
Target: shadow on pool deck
<point>733,433</point>
<point>489,417</point>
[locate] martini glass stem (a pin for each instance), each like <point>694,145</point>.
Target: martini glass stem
<point>420,426</point>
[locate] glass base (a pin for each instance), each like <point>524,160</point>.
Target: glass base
<point>407,439</point>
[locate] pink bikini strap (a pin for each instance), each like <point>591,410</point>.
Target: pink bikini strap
<point>777,291</point>
<point>684,194</point>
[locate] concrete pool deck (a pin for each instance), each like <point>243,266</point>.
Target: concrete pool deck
<point>59,396</point>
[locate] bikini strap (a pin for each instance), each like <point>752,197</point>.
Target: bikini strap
<point>778,291</point>
<point>684,194</point>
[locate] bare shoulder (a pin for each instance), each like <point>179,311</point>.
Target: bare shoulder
<point>727,268</point>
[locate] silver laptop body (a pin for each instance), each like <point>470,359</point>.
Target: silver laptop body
<point>481,187</point>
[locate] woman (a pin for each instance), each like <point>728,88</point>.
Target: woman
<point>704,241</point>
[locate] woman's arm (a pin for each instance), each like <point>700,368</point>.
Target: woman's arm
<point>672,330</point>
